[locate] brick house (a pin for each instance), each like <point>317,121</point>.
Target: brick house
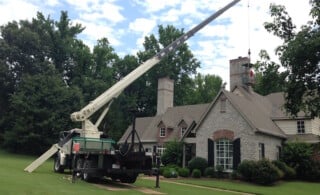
<point>238,124</point>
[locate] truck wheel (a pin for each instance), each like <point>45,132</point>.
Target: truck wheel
<point>129,178</point>
<point>86,176</point>
<point>57,167</point>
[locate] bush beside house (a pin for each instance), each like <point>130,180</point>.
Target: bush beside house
<point>261,172</point>
<point>300,156</point>
<point>198,163</point>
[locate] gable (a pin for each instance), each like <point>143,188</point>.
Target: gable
<point>252,108</point>
<point>228,119</point>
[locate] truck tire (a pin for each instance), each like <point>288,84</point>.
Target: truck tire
<point>85,175</point>
<point>129,178</point>
<point>57,167</point>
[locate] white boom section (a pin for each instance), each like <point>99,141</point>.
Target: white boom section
<point>113,92</point>
<point>45,156</point>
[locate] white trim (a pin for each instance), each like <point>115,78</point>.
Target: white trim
<point>162,132</point>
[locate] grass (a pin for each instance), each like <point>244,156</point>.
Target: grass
<point>13,180</point>
<point>281,188</point>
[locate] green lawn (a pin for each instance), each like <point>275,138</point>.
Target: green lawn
<point>13,180</point>
<point>281,188</point>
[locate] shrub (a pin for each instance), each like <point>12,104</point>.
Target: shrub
<point>176,167</point>
<point>196,173</point>
<point>184,172</point>
<point>173,153</point>
<point>170,173</point>
<point>247,169</point>
<point>298,156</point>
<point>234,175</point>
<point>198,163</point>
<point>219,170</point>
<point>209,172</point>
<point>161,170</point>
<point>289,173</point>
<point>267,173</point>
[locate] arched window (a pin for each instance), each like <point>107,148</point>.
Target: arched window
<point>224,153</point>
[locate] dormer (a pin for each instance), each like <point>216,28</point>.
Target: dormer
<point>162,130</point>
<point>182,126</point>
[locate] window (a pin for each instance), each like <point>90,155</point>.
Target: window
<point>162,132</point>
<point>261,151</point>
<point>224,153</point>
<point>278,152</point>
<point>183,130</point>
<point>160,150</point>
<point>223,104</point>
<point>300,126</point>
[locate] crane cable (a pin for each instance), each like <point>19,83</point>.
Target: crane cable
<point>249,51</point>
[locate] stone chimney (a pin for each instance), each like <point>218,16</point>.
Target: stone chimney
<point>241,73</point>
<point>165,95</point>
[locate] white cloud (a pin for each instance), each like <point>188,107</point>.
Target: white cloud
<point>143,27</point>
<point>52,2</point>
<point>96,11</point>
<point>155,6</point>
<point>93,32</point>
<point>17,10</point>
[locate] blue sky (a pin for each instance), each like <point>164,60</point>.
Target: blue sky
<point>126,22</point>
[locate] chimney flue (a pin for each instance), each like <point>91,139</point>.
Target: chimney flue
<point>165,95</point>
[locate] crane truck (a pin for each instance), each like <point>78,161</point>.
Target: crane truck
<point>87,153</point>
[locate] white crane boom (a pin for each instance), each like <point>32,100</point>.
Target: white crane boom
<point>90,129</point>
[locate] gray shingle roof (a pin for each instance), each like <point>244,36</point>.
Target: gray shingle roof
<point>256,110</point>
<point>147,127</point>
<point>259,111</point>
<point>278,101</point>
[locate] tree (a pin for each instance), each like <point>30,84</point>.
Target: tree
<point>23,50</point>
<point>299,53</point>
<point>173,153</point>
<point>179,65</point>
<point>39,111</point>
<point>38,96</point>
<point>299,156</point>
<point>205,88</point>
<point>268,79</point>
<point>64,45</point>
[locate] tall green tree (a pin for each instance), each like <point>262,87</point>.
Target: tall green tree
<point>299,53</point>
<point>205,89</point>
<point>64,45</point>
<point>268,78</point>
<point>23,50</point>
<point>39,110</point>
<point>37,89</point>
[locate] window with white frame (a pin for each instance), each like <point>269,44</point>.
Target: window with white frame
<point>224,153</point>
<point>183,130</point>
<point>162,131</point>
<point>160,150</point>
<point>300,126</point>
